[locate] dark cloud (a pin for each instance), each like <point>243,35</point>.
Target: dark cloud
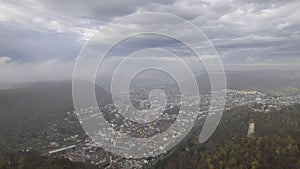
<point>25,45</point>
<point>97,10</point>
<point>243,32</point>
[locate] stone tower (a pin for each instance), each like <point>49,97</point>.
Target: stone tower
<point>251,129</point>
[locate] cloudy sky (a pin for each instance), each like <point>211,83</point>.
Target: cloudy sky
<point>40,40</point>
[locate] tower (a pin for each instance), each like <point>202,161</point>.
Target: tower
<point>251,129</point>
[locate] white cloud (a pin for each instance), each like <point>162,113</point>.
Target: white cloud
<point>283,26</point>
<point>4,60</point>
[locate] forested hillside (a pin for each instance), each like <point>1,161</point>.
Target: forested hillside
<point>33,160</point>
<point>32,113</point>
<point>275,144</point>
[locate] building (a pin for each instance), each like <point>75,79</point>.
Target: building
<point>61,151</point>
<point>251,129</point>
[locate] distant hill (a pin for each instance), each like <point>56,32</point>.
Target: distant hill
<point>273,82</point>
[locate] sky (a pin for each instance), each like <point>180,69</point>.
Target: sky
<point>40,40</point>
